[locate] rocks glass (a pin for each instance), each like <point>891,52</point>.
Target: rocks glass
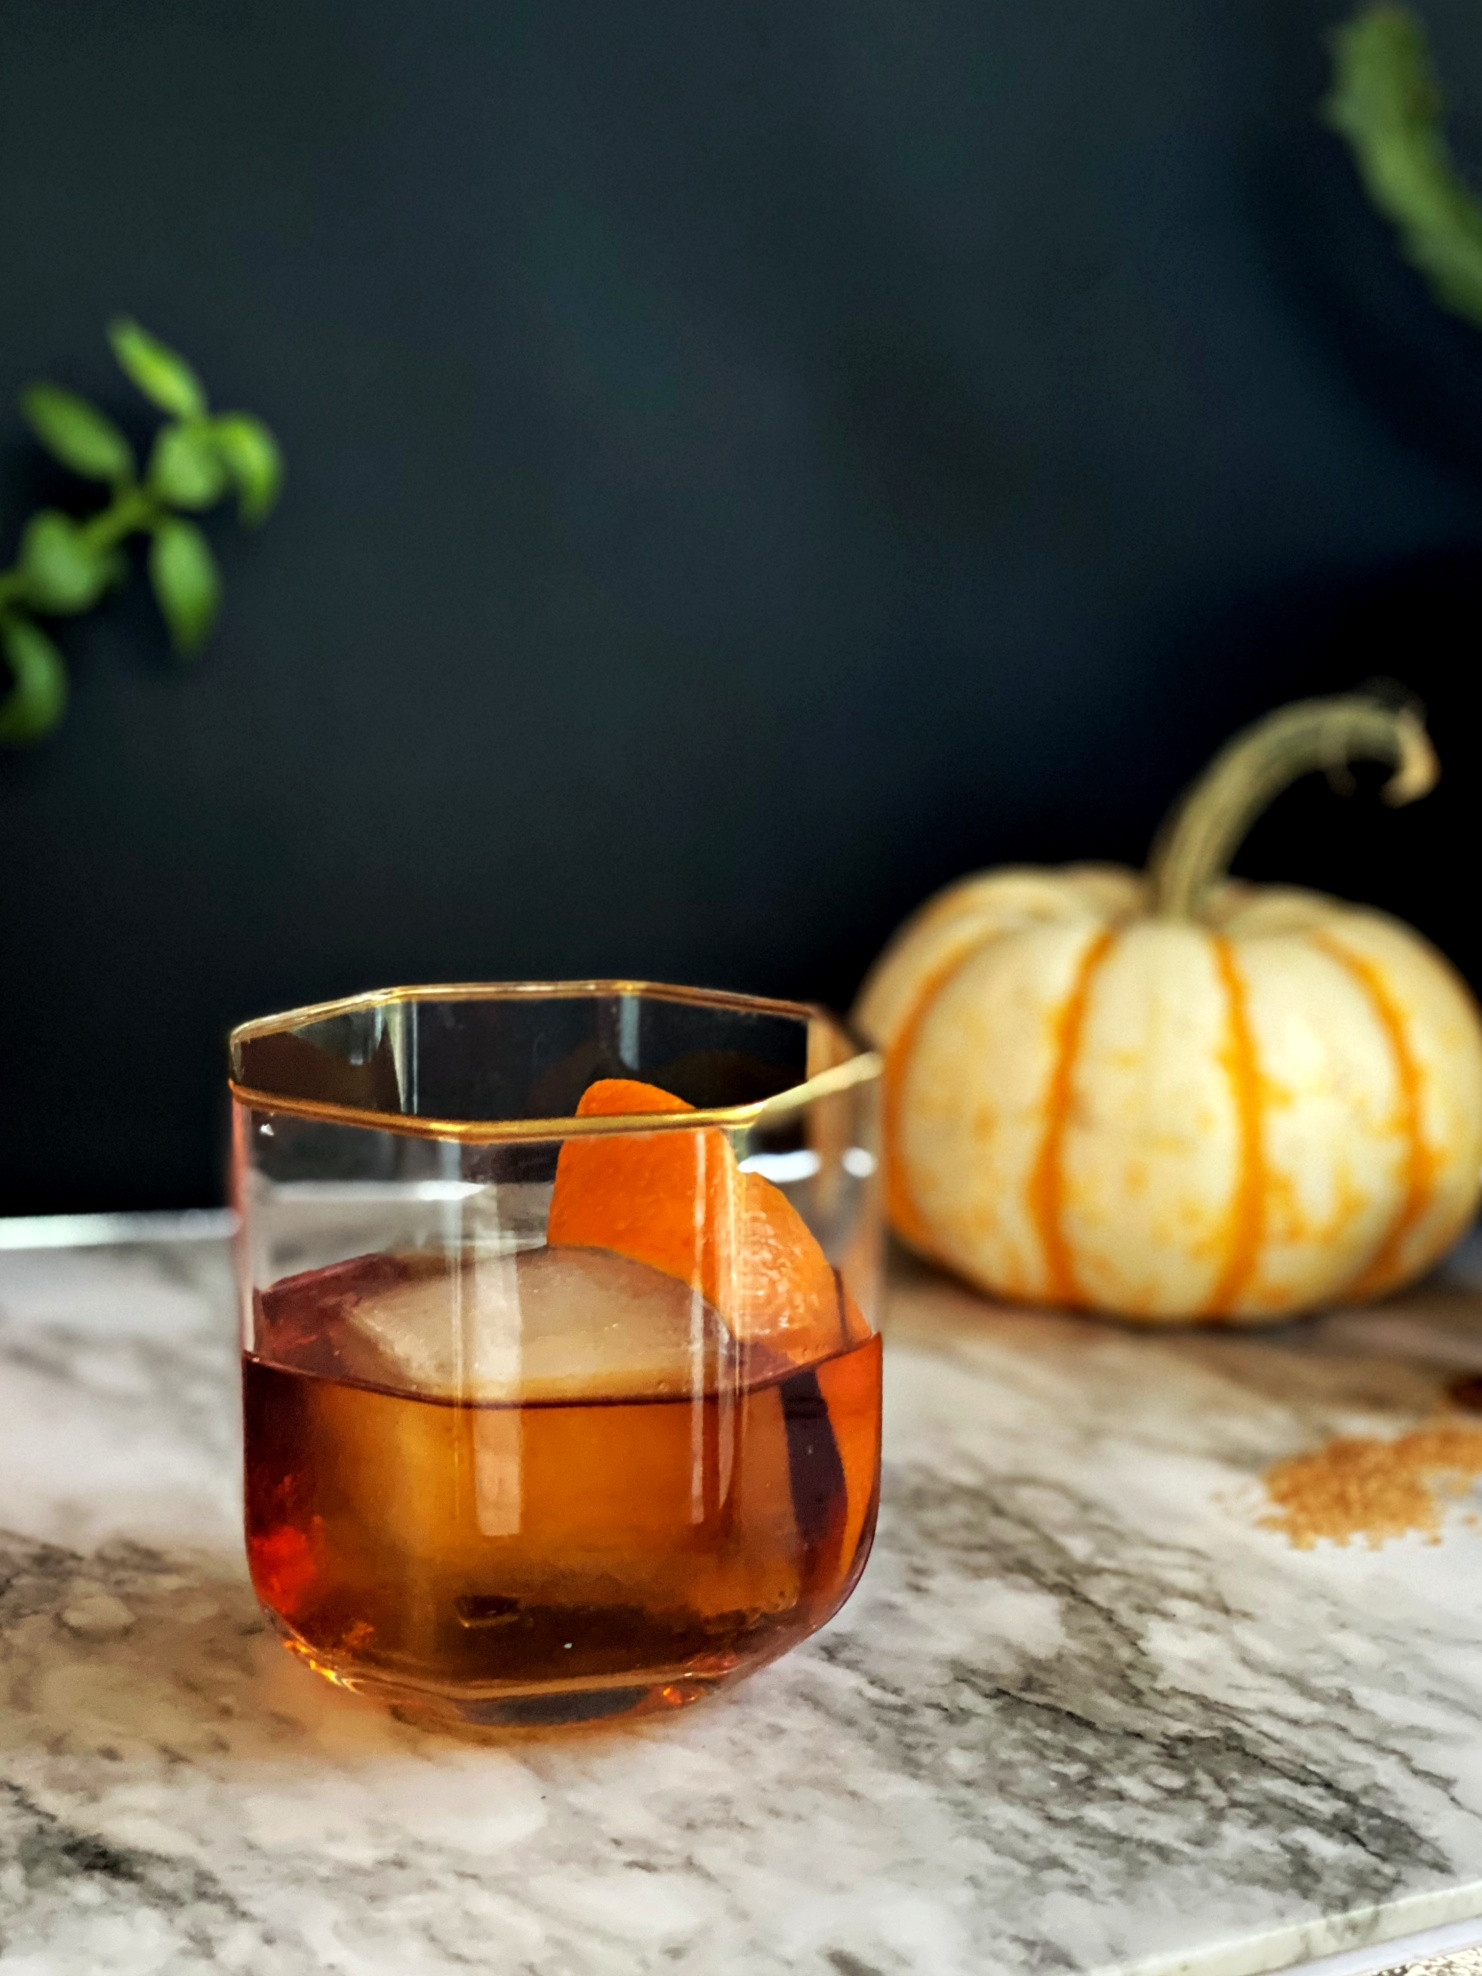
<point>560,1368</point>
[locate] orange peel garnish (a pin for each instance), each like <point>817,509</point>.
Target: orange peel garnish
<point>679,1202</point>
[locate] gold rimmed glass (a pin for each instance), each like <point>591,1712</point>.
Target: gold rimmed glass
<point>560,1364</point>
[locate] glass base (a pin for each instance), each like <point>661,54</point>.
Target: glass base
<point>552,1705</point>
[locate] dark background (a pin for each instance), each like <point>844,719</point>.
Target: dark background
<point>748,465</point>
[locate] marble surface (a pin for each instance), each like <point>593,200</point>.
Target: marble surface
<point>1083,1713</point>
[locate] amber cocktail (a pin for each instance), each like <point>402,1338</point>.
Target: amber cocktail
<point>572,1409</point>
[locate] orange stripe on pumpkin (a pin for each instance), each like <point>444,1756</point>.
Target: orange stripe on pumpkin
<point>1420,1161</point>
<point>1047,1181</point>
<point>1247,1214</point>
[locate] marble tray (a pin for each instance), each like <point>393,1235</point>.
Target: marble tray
<point>1084,1712</point>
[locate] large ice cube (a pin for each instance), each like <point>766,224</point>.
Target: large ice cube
<point>547,1324</point>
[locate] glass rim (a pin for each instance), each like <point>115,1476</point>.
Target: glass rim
<point>861,1065</point>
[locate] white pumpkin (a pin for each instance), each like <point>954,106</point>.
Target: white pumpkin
<point>1175,1096</point>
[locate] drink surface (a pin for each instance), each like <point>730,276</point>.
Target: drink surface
<point>491,1475</point>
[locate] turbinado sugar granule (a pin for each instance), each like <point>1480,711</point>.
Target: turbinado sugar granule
<point>1360,1487</point>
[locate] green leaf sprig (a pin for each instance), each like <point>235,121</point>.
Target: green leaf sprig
<point>65,566</point>
<point>1387,102</point>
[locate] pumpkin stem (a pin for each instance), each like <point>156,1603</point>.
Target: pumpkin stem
<point>1193,849</point>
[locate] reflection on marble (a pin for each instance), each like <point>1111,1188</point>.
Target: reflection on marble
<point>1083,1713</point>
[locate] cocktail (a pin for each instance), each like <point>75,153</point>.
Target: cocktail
<point>560,1370</point>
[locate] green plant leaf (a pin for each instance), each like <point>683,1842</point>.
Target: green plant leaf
<point>64,566</point>
<point>1387,103</point>
<point>252,459</point>
<point>60,572</point>
<point>163,377</point>
<point>183,572</point>
<point>185,468</point>
<point>77,433</point>
<point>38,697</point>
